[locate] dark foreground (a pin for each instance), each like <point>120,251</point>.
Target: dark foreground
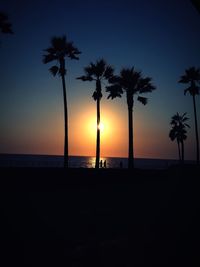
<point>50,217</point>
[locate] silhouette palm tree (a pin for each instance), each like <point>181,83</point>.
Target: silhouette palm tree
<point>98,72</point>
<point>196,4</point>
<point>59,50</point>
<point>192,77</point>
<point>5,25</point>
<point>178,132</point>
<point>132,83</point>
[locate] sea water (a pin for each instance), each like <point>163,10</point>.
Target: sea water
<point>13,160</point>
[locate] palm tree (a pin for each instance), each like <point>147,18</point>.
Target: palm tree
<point>173,135</point>
<point>178,132</point>
<point>5,25</point>
<point>192,77</point>
<point>196,4</point>
<point>60,49</point>
<point>99,71</point>
<point>132,83</point>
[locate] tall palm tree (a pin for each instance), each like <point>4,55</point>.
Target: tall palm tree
<point>99,71</point>
<point>132,83</point>
<point>192,77</point>
<point>178,132</point>
<point>5,25</point>
<point>59,50</point>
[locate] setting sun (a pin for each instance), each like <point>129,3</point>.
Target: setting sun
<point>83,131</point>
<point>101,126</point>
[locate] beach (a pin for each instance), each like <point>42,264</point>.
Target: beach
<point>107,217</point>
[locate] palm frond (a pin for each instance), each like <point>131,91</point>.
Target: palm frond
<point>89,70</point>
<point>98,70</point>
<point>184,118</point>
<point>50,50</point>
<point>114,79</point>
<point>192,74</point>
<point>114,91</point>
<point>73,56</point>
<point>184,114</point>
<point>186,91</point>
<point>3,17</point>
<point>108,73</point>
<point>100,67</point>
<point>145,86</point>
<point>54,70</point>
<point>187,125</point>
<point>130,79</point>
<point>58,43</point>
<point>178,130</point>
<point>184,137</point>
<point>192,90</point>
<point>175,118</point>
<point>60,48</point>
<point>143,100</point>
<point>48,58</point>
<point>5,25</point>
<point>172,134</point>
<point>71,51</point>
<point>184,79</point>
<point>85,78</point>
<point>196,3</point>
<point>7,28</point>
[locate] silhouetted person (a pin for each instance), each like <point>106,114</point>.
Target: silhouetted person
<point>101,164</point>
<point>104,164</point>
<point>121,164</point>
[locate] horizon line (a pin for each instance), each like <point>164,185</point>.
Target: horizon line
<point>56,155</point>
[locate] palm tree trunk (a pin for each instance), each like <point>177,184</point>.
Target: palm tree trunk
<point>98,88</point>
<point>196,129</point>
<point>182,151</point>
<point>179,152</point>
<point>130,147</point>
<point>65,115</point>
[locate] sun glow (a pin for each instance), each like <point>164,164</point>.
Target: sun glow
<point>101,126</point>
<point>83,133</point>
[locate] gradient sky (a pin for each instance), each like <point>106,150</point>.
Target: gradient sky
<point>160,38</point>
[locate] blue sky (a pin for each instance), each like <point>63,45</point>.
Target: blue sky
<point>160,38</point>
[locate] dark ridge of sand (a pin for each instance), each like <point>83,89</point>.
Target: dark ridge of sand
<point>109,217</point>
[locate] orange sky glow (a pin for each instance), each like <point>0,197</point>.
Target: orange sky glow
<point>44,132</point>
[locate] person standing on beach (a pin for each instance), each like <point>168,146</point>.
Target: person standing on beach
<point>104,164</point>
<point>101,164</point>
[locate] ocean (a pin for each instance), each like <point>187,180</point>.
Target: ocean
<point>19,160</point>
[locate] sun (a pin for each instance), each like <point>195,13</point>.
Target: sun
<point>92,127</point>
<point>101,126</point>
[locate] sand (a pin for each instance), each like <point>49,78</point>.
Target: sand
<point>84,217</point>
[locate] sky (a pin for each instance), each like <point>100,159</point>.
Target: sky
<point>159,38</point>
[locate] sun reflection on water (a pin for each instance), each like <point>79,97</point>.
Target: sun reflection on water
<point>92,160</point>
